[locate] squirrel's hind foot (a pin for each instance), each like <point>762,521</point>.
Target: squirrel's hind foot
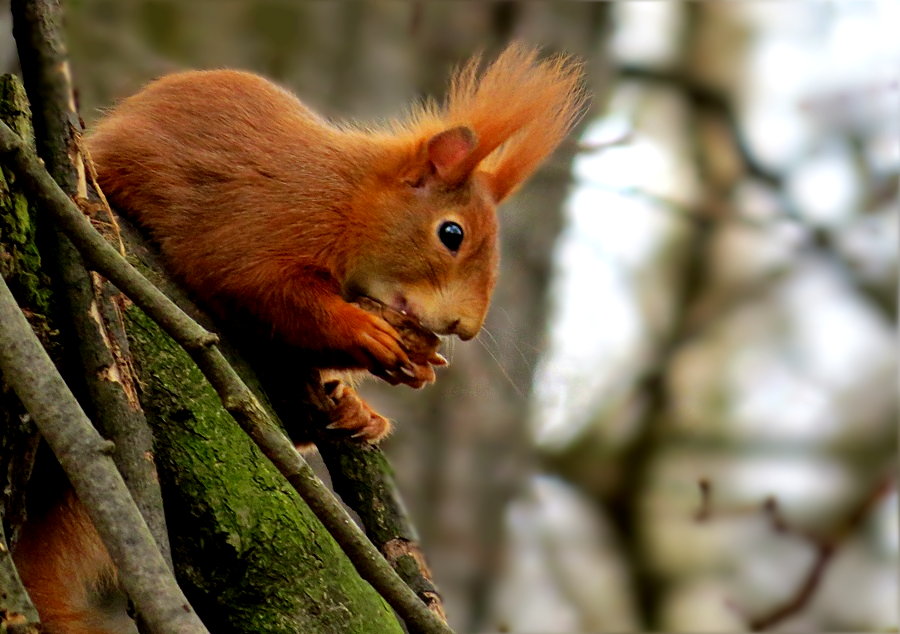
<point>350,414</point>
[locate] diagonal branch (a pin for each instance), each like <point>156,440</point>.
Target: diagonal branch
<point>84,456</point>
<point>824,546</point>
<point>234,393</point>
<point>93,327</point>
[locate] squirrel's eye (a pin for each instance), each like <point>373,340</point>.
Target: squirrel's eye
<point>451,234</point>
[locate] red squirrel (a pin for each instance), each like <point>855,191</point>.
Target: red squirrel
<point>258,203</point>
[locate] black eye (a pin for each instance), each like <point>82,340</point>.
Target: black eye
<point>451,234</point>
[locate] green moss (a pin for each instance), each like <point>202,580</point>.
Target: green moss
<point>20,261</point>
<point>249,552</point>
<point>14,108</point>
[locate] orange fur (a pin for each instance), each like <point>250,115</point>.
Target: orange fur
<point>67,570</point>
<point>261,205</point>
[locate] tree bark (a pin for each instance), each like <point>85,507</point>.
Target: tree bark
<point>20,264</point>
<point>239,532</point>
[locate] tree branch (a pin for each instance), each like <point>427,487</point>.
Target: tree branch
<point>84,456</point>
<point>708,98</point>
<point>362,477</point>
<point>20,265</point>
<point>94,324</point>
<point>825,546</point>
<point>705,97</point>
<point>235,395</point>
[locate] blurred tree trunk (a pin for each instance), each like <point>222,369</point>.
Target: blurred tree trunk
<point>708,58</point>
<point>710,53</point>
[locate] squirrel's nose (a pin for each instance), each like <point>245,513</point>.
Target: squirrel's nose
<point>464,332</point>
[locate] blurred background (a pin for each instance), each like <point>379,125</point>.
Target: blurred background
<point>682,414</point>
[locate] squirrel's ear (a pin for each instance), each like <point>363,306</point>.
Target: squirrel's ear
<point>449,151</point>
<point>501,185</point>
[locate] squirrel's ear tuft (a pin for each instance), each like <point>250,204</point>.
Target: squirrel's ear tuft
<point>449,153</point>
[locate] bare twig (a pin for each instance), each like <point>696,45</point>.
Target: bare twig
<point>235,395</point>
<point>824,546</point>
<point>84,456</point>
<point>104,203</point>
<point>94,320</point>
<point>717,102</point>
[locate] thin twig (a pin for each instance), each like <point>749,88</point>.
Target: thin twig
<point>84,456</point>
<point>94,327</point>
<point>706,97</point>
<point>235,395</point>
<point>824,546</point>
<point>95,184</point>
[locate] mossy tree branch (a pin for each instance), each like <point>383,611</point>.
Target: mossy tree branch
<point>20,264</point>
<point>248,551</point>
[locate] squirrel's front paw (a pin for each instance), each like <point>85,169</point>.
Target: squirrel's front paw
<point>419,345</point>
<point>352,414</point>
<point>378,348</point>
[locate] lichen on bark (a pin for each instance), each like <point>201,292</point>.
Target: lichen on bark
<point>249,553</point>
<point>20,262</point>
<point>20,266</point>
